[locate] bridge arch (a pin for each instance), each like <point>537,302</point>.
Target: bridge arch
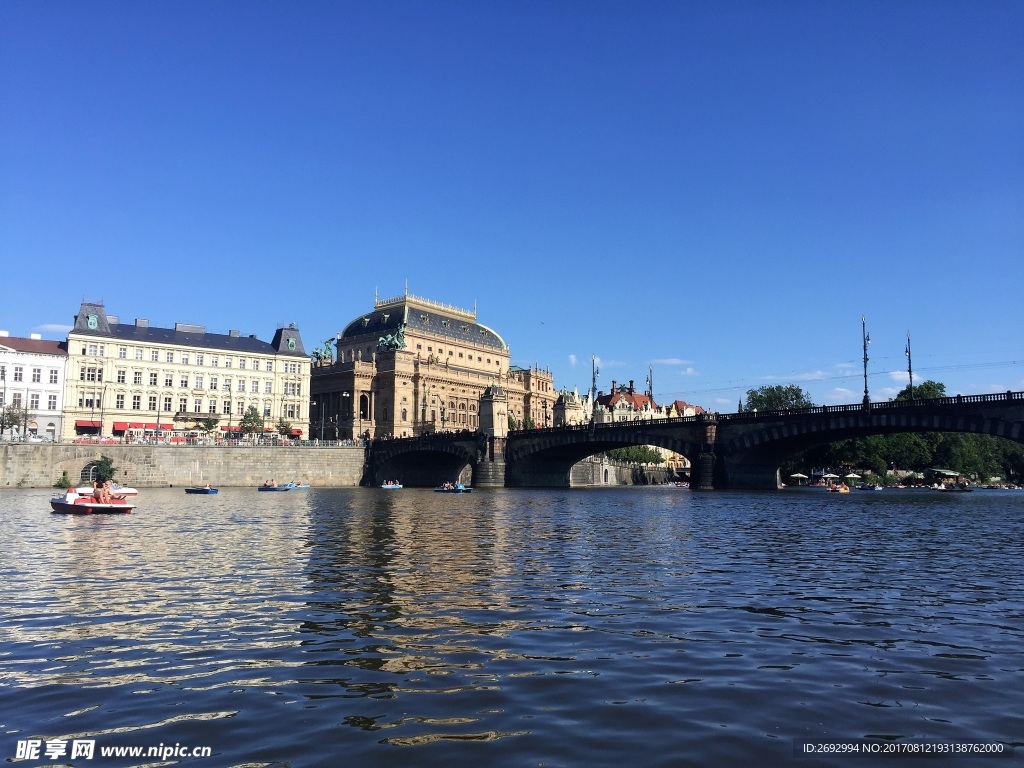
<point>425,461</point>
<point>756,445</point>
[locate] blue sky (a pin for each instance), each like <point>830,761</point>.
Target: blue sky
<point>719,190</point>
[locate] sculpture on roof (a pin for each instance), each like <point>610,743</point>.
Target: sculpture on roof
<point>323,355</point>
<point>394,340</point>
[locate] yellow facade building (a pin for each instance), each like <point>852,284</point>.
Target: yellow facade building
<point>413,366</point>
<point>127,380</point>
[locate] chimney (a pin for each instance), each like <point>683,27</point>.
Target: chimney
<point>631,390</point>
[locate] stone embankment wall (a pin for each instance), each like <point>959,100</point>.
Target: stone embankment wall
<point>40,465</point>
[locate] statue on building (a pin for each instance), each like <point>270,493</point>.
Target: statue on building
<point>394,340</point>
<point>323,355</point>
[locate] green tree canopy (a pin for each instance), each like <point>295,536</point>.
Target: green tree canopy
<point>637,454</point>
<point>252,422</point>
<point>777,397</point>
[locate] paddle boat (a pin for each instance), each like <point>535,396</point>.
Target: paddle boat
<point>274,487</point>
<point>392,486</point>
<point>298,486</point>
<point>452,488</point>
<point>74,503</point>
<point>207,489</point>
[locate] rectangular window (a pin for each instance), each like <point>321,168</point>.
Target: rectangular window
<point>53,375</point>
<point>152,378</point>
<point>255,386</point>
<point>122,353</point>
<point>199,359</point>
<point>121,376</point>
<point>170,357</point>
<point>266,412</point>
<point>268,387</point>
<point>19,373</point>
<point>167,403</point>
<point>168,379</point>
<point>51,403</point>
<point>37,375</point>
<point>136,402</point>
<point>182,404</point>
<point>198,405</point>
<point>33,401</point>
<point>213,382</point>
<point>214,361</point>
<point>227,385</point>
<point>227,407</point>
<point>270,366</point>
<point>138,353</point>
<point>213,406</point>
<point>154,355</point>
<point>119,402</point>
<point>152,402</point>
<point>241,363</point>
<point>184,381</point>
<point>241,385</point>
<point>227,362</point>
<point>199,381</point>
<point>184,358</point>
<point>136,377</point>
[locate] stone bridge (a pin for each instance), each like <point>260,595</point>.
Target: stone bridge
<point>741,450</point>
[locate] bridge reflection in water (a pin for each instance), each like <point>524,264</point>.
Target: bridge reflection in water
<point>736,450</point>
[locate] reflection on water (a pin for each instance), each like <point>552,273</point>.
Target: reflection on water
<point>631,626</point>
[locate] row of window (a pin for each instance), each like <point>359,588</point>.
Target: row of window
<point>199,381</point>
<point>185,358</point>
<point>37,374</point>
<point>121,402</point>
<point>33,401</point>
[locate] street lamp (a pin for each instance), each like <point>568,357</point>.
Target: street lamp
<point>545,402</point>
<point>910,369</point>
<point>346,407</point>
<point>322,404</point>
<point>867,340</point>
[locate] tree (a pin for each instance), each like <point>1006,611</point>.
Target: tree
<point>105,469</point>
<point>637,454</point>
<point>208,425</point>
<point>926,390</point>
<point>284,428</point>
<point>252,422</point>
<point>15,415</point>
<point>777,397</point>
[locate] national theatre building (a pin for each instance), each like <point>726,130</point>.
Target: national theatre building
<point>414,366</point>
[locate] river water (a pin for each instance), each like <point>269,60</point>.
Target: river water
<point>612,627</point>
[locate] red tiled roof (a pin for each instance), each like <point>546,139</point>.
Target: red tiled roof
<point>37,346</point>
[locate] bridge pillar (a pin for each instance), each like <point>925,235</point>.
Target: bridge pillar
<point>490,467</point>
<point>702,472</point>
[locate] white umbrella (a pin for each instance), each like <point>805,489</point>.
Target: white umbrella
<point>797,474</point>
<point>830,475</point>
<point>852,476</point>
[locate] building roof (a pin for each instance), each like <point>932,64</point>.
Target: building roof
<point>92,320</point>
<point>34,346</point>
<point>423,316</point>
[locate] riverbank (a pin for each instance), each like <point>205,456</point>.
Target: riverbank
<point>40,465</point>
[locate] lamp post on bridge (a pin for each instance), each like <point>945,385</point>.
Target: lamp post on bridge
<point>910,369</point>
<point>866,337</point>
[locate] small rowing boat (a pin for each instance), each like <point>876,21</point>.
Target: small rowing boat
<point>206,490</point>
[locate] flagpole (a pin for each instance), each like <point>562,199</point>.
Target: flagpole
<point>910,368</point>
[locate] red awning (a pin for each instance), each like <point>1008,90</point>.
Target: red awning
<point>154,426</point>
<point>231,429</point>
<point>296,432</point>
<point>136,425</point>
<point>88,424</point>
<point>120,426</point>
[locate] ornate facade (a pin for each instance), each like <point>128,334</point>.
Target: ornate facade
<point>127,378</point>
<point>413,366</point>
<point>32,379</point>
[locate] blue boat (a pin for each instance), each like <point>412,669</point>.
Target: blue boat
<point>453,488</point>
<point>206,490</point>
<point>273,488</point>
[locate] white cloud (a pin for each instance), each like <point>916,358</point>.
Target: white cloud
<point>901,376</point>
<point>671,361</point>
<point>53,328</point>
<point>839,395</point>
<point>572,360</point>
<point>809,376</point>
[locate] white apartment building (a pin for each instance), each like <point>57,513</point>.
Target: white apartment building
<point>131,378</point>
<point>32,378</point>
